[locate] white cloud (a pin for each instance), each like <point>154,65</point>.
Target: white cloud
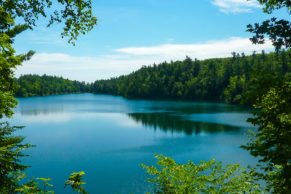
<point>125,60</point>
<point>236,6</point>
<point>211,49</point>
<point>82,68</point>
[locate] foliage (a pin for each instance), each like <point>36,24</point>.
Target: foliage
<point>75,180</point>
<point>11,148</point>
<point>35,85</point>
<point>77,17</point>
<point>271,5</point>
<point>8,62</point>
<point>236,87</point>
<point>33,187</point>
<point>272,141</point>
<point>279,31</point>
<point>237,79</point>
<point>205,177</point>
<point>75,14</point>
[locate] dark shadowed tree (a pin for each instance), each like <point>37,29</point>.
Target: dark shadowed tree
<point>271,143</point>
<point>278,30</point>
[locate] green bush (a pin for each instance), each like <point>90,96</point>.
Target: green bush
<point>205,177</point>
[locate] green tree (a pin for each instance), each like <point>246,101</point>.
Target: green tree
<point>279,31</point>
<point>205,177</point>
<point>240,79</point>
<point>34,85</point>
<point>33,186</point>
<point>272,141</point>
<point>11,148</point>
<point>235,90</point>
<point>75,14</point>
<point>75,180</point>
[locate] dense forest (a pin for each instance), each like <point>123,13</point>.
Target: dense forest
<point>35,85</point>
<point>236,79</point>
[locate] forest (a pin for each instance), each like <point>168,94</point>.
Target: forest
<point>239,79</point>
<point>35,85</point>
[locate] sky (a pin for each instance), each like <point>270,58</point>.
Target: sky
<point>134,33</point>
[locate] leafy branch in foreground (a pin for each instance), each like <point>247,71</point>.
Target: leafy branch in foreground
<point>76,15</point>
<point>41,185</point>
<point>34,187</point>
<point>278,31</point>
<point>11,148</point>
<point>272,141</point>
<point>205,177</point>
<point>75,180</point>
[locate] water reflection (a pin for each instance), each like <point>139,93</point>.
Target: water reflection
<point>198,107</point>
<point>42,111</point>
<point>168,116</point>
<point>173,123</point>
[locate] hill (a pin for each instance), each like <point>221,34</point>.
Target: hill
<point>237,79</point>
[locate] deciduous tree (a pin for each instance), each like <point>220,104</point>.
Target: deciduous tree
<point>278,30</point>
<point>205,177</point>
<point>272,141</point>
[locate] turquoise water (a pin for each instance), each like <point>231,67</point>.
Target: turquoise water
<point>108,137</point>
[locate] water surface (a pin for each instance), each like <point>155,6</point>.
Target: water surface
<point>108,137</point>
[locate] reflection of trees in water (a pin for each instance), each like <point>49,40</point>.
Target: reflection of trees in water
<point>173,123</point>
<point>203,108</point>
<point>42,110</point>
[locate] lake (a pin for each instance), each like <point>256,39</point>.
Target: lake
<point>108,137</point>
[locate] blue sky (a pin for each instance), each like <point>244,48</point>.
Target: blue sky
<point>133,33</point>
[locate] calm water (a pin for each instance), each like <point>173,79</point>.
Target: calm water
<point>108,137</point>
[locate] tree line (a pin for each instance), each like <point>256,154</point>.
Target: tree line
<point>236,79</point>
<point>35,85</point>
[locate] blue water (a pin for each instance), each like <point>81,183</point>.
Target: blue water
<point>108,137</point>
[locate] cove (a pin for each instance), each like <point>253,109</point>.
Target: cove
<point>109,136</point>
